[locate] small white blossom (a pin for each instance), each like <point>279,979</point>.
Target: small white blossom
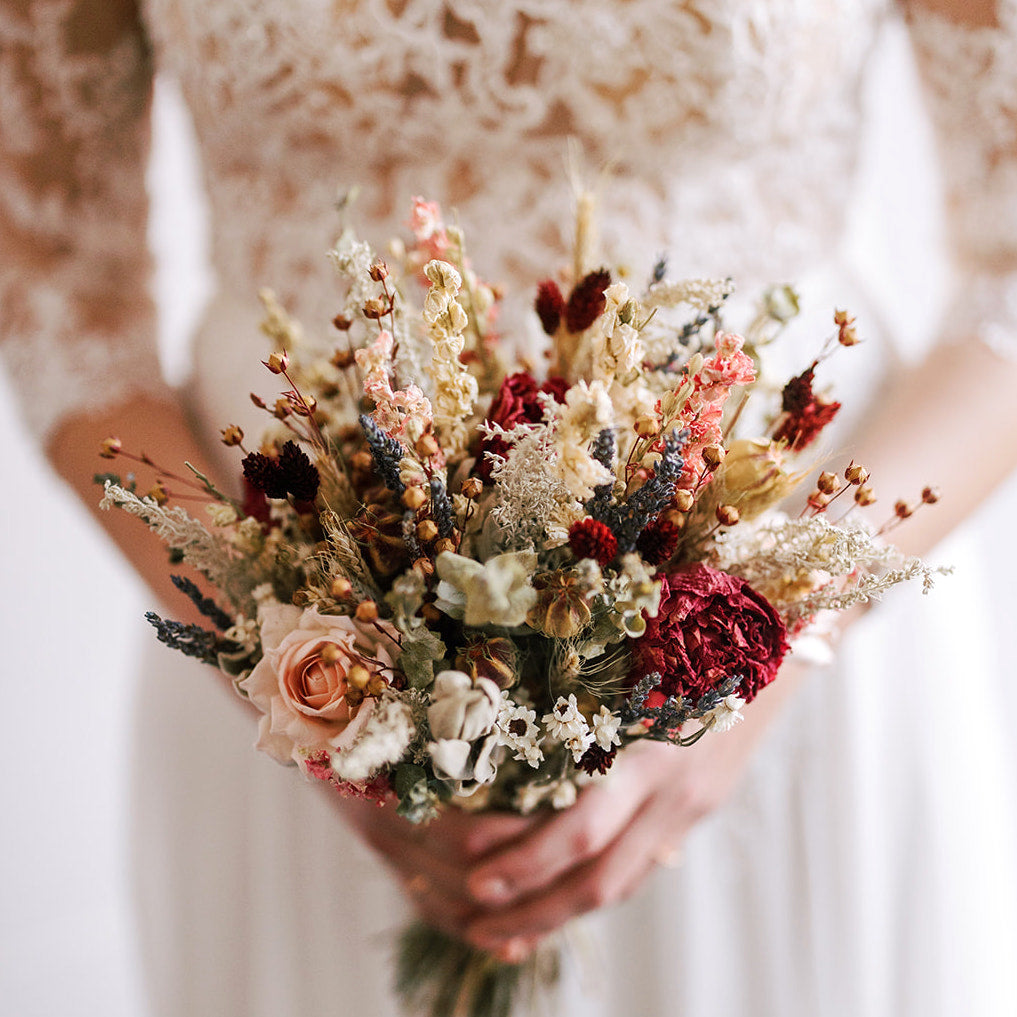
<point>563,794</point>
<point>517,729</point>
<point>244,631</point>
<point>566,724</point>
<point>605,728</point>
<point>727,713</point>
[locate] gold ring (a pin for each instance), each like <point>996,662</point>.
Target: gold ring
<point>418,885</point>
<point>668,857</point>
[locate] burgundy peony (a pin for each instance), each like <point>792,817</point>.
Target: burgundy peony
<point>710,626</point>
<point>517,402</point>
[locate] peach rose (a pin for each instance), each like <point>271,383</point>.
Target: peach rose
<point>301,683</point>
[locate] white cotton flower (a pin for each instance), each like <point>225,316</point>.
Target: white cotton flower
<point>462,718</point>
<point>262,593</point>
<point>605,728</point>
<point>726,714</point>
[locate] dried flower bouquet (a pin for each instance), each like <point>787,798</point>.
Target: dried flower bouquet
<point>448,583</point>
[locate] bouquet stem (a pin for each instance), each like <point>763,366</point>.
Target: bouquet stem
<point>439,976</point>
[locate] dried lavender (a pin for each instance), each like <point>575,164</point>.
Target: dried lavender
<point>386,451</point>
<point>208,607</point>
<point>191,640</point>
<point>409,532</point>
<point>628,519</point>
<point>441,508</point>
<point>675,711</point>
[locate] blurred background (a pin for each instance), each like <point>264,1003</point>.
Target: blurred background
<point>71,615</point>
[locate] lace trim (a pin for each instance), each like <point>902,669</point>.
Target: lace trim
<point>731,127</point>
<point>76,322</point>
<point>971,78</point>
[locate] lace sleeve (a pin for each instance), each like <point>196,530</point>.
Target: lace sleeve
<point>76,320</point>
<point>969,66</point>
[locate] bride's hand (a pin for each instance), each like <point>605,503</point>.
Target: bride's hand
<point>598,852</point>
<point>502,882</point>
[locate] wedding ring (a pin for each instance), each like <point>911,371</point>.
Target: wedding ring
<point>418,885</point>
<point>668,857</point>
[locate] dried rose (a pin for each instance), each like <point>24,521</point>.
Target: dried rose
<point>709,626</point>
<point>301,683</point>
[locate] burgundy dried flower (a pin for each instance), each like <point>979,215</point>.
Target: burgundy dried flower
<point>517,402</point>
<point>590,538</point>
<point>805,413</point>
<point>658,542</point>
<point>597,760</point>
<point>291,473</point>
<point>300,474</point>
<point>549,305</point>
<point>263,473</point>
<point>710,626</point>
<point>587,300</point>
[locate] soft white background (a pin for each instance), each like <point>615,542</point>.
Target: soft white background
<point>71,615</point>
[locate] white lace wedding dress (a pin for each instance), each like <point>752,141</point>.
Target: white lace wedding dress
<point>838,881</point>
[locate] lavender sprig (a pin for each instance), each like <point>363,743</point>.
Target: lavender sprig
<point>441,508</point>
<point>191,640</point>
<point>208,607</point>
<point>386,451</point>
<point>628,519</point>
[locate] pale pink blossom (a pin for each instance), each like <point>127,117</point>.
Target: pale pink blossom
<point>301,683</point>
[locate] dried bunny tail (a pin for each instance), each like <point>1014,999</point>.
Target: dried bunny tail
<point>212,556</point>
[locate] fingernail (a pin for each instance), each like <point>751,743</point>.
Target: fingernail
<point>514,951</point>
<point>491,890</point>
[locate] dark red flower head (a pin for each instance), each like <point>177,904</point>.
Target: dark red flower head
<point>587,301</point>
<point>550,306</point>
<point>590,538</point>
<point>805,414</point>
<point>291,473</point>
<point>710,626</point>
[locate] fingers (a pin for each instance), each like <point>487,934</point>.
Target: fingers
<point>562,842</point>
<point>608,878</point>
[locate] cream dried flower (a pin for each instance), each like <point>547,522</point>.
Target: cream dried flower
<point>605,728</point>
<point>455,388</point>
<point>565,723</point>
<point>497,592</point>
<point>517,730</point>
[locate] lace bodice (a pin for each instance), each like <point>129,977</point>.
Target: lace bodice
<point>730,129</point>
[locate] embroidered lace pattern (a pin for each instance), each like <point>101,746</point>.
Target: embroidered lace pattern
<point>730,129</point>
<point>971,78</point>
<point>75,316</point>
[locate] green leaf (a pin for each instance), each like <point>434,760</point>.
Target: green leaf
<point>420,650</point>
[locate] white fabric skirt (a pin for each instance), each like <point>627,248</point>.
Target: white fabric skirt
<point>863,868</point>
